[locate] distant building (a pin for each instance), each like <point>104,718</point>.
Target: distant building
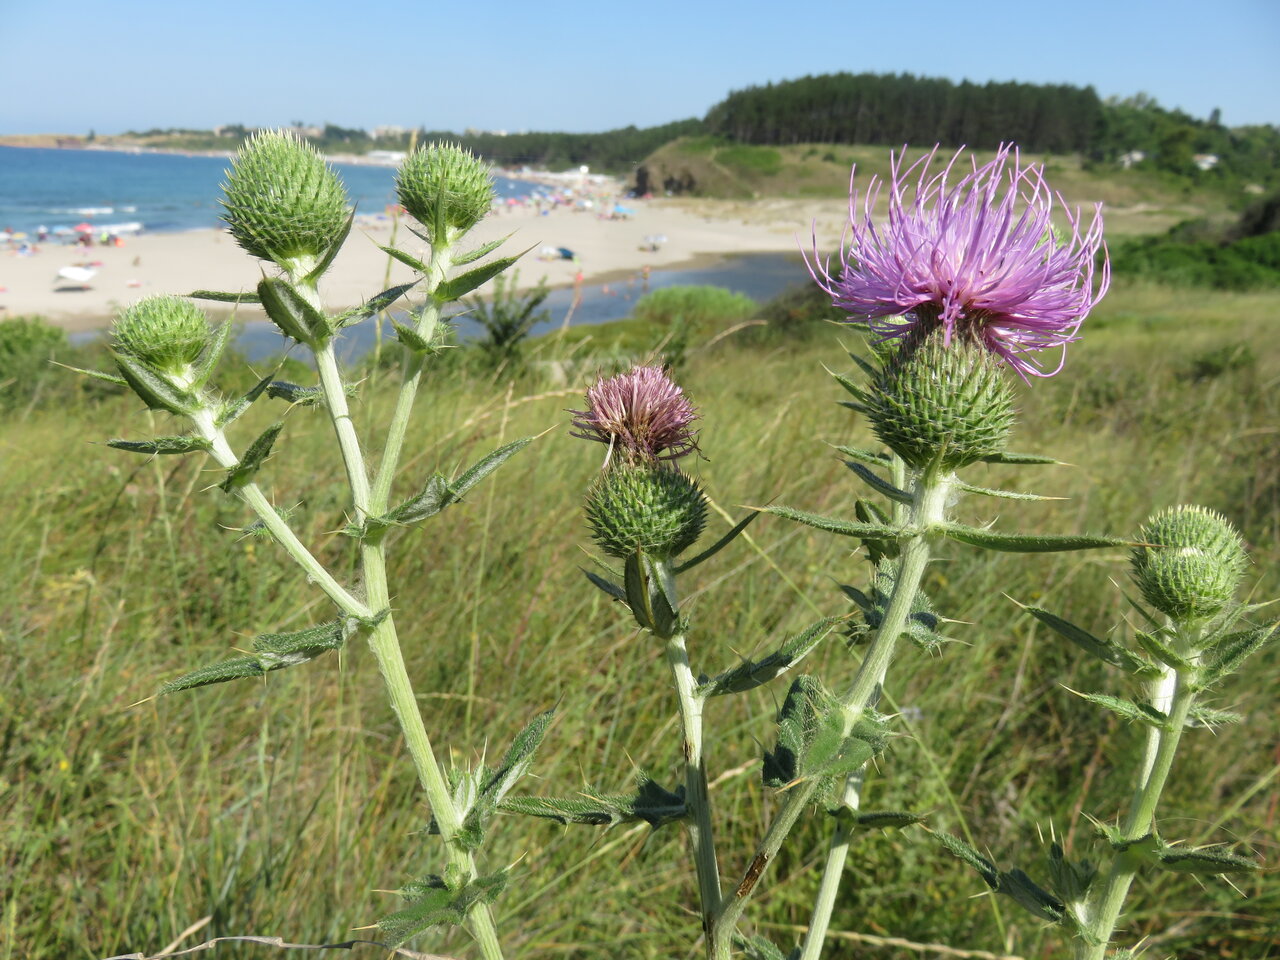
<point>388,131</point>
<point>1205,161</point>
<point>1127,160</point>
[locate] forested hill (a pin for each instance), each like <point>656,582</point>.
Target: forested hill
<point>868,108</point>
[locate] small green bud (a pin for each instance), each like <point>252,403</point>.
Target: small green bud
<point>283,202</point>
<point>657,509</point>
<point>167,334</point>
<point>1194,563</point>
<point>939,404</point>
<point>446,189</point>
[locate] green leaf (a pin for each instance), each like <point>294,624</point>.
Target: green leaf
<point>1015,458</point>
<point>886,819</point>
<point>866,366</point>
<point>1027,542</point>
<point>832,525</point>
<point>327,259</point>
<point>373,305</point>
<point>1226,656</point>
<point>163,445</point>
<point>480,251</point>
<point>461,285</point>
<point>235,669</point>
<point>757,948</point>
<point>292,312</point>
<point>437,903</point>
<point>868,512</point>
<point>645,596</point>
<point>232,411</point>
<point>1034,899</point>
<point>754,673</point>
<point>612,589</point>
<point>497,782</point>
<point>719,545</point>
<point>312,641</point>
<point>651,804</point>
<point>1141,711</point>
<point>1204,862</point>
<point>869,457</point>
<point>212,355</point>
<point>486,466</point>
<point>435,496</point>
<point>299,396</point>
<point>1209,718</point>
<point>1071,880</point>
<point>243,472</point>
<point>1108,651</point>
<point>852,387</point>
<point>878,483</point>
<point>1002,494</point>
<point>95,374</point>
<point>962,851</point>
<point>1152,643</point>
<point>154,390</point>
<point>407,259</point>
<point>241,297</point>
<point>408,336</point>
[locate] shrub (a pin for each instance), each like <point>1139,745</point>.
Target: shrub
<point>27,344</point>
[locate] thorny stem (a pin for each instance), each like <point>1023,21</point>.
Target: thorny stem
<point>1173,693</point>
<point>924,513</point>
<point>385,643</point>
<point>701,837</point>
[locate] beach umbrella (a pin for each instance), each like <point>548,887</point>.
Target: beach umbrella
<point>79,275</point>
<point>83,227</point>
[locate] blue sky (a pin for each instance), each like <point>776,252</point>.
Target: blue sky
<point>113,65</point>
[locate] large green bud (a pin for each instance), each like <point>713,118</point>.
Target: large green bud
<point>656,509</point>
<point>1191,563</point>
<point>446,189</point>
<point>283,202</point>
<point>946,405</point>
<point>167,334</point>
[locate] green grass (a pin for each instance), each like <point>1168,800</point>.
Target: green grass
<point>281,807</point>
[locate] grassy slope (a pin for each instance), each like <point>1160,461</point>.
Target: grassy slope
<point>1136,202</point>
<point>281,806</point>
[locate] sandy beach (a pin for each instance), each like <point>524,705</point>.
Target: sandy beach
<point>178,263</point>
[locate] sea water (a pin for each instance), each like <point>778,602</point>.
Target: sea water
<point>163,192</point>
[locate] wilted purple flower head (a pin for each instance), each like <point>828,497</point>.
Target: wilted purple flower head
<point>641,414</point>
<point>974,255</point>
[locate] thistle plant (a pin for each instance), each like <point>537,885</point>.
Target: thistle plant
<point>1188,565</point>
<point>286,207</point>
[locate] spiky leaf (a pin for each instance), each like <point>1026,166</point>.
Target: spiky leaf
<point>1226,656</point>
<point>220,297</point>
<point>1140,711</point>
<point>1027,542</point>
<point>438,903</point>
<point>459,286</point>
<point>719,545</point>
<point>832,525</point>
<point>154,390</point>
<point>253,459</point>
<point>295,394</point>
<point>1204,862</point>
<point>650,803</point>
<point>754,673</point>
<point>375,304</point>
<point>293,313</point>
<point>163,445</point>
<point>1106,650</point>
<point>878,483</point>
<point>232,411</point>
<point>497,782</point>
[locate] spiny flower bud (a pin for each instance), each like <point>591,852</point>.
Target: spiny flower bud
<point>935,403</point>
<point>167,334</point>
<point>446,189</point>
<point>657,509</point>
<point>1193,565</point>
<point>283,202</point>
<point>642,415</point>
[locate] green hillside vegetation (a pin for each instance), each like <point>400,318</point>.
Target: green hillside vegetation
<point>282,806</point>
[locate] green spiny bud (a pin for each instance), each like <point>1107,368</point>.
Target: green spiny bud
<point>446,189</point>
<point>657,509</point>
<point>939,404</point>
<point>1191,563</point>
<point>167,334</point>
<point>283,202</point>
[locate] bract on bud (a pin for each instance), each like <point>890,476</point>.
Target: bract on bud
<point>446,189</point>
<point>1193,565</point>
<point>168,334</point>
<point>656,509</point>
<point>283,202</point>
<point>942,405</point>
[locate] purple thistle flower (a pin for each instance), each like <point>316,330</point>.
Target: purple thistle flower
<point>971,258</point>
<point>641,413</point>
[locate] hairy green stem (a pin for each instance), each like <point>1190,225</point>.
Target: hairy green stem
<point>1173,693</point>
<point>701,837</point>
<point>925,512</point>
<point>257,501</point>
<point>385,643</point>
<point>441,260</point>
